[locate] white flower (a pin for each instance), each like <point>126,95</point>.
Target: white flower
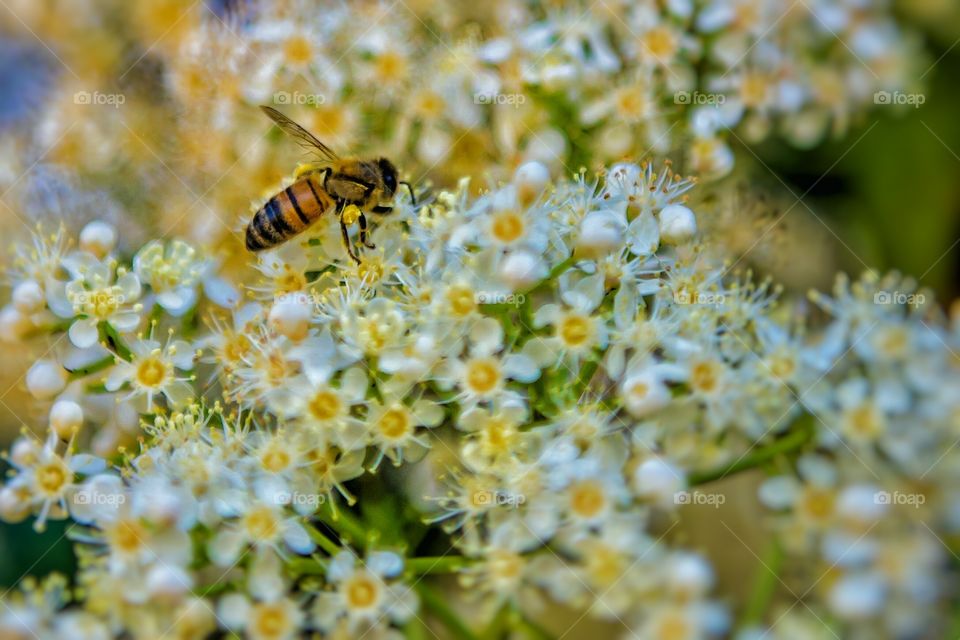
<point>173,272</point>
<point>677,224</point>
<point>364,593</point>
<point>45,379</point>
<point>96,296</point>
<point>152,372</point>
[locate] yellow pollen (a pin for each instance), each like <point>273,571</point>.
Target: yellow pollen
<point>361,592</point>
<point>261,523</point>
<point>705,376</point>
<point>507,227</point>
<point>297,50</point>
<point>817,503</point>
<point>575,330</point>
<point>483,375</point>
<point>325,405</point>
<point>270,620</point>
<point>52,477</point>
<point>275,459</point>
<point>127,535</point>
<point>152,372</point>
<point>462,300</point>
<point>395,423</point>
<point>587,499</point>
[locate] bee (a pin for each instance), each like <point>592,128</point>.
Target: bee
<point>348,186</point>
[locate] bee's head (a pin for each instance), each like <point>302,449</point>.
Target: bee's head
<point>389,173</point>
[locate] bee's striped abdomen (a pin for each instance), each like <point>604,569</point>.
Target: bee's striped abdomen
<point>287,214</point>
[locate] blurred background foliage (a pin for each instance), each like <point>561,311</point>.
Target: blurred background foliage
<point>886,196</point>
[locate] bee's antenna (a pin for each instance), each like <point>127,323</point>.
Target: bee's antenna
<point>413,197</point>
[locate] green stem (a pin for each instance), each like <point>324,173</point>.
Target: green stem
<point>531,628</point>
<point>437,564</point>
<point>437,604</point>
<point>345,524</point>
<point>764,585</point>
<point>800,435</point>
<point>325,543</point>
<point>93,367</point>
<point>110,337</point>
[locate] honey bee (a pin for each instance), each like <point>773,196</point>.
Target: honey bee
<point>349,186</point>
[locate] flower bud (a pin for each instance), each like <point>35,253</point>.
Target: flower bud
<point>45,379</point>
<point>290,317</point>
<point>643,393</point>
<point>12,508</point>
<point>28,297</point>
<point>24,452</point>
<point>677,224</point>
<point>522,269</point>
<point>65,417</point>
<point>601,232</point>
<point>13,325</point>
<point>658,480</point>
<point>530,179</point>
<point>99,238</point>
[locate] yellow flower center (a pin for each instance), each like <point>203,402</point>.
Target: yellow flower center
<point>754,89</point>
<point>605,566</point>
<point>483,375</point>
<point>462,300</point>
<point>507,227</point>
<point>52,477</point>
<point>270,620</point>
<point>297,50</point>
<point>235,347</point>
<point>673,626</point>
<point>429,104</point>
<point>395,423</point>
<point>290,281</point>
<point>325,405</point>
<point>817,503</point>
<point>506,565</point>
<point>705,376</point>
<point>275,459</point>
<point>631,103</point>
<point>361,592</point>
<point>864,421</point>
<point>261,523</point>
<point>575,330</point>
<point>587,499</point>
<point>390,66</point>
<point>127,536</point>
<point>152,372</point>
<point>661,44</point>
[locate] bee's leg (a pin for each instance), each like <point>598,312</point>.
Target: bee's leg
<point>363,232</point>
<point>413,197</point>
<point>345,237</point>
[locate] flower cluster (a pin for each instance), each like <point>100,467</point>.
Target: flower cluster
<point>556,369</point>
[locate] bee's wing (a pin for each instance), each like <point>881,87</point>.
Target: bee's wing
<point>301,135</point>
